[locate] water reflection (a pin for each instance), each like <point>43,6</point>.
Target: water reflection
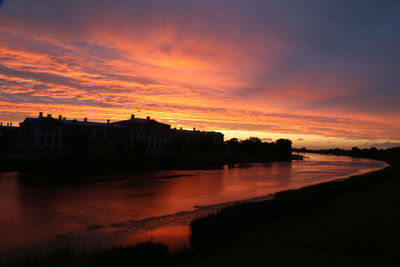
<point>155,206</point>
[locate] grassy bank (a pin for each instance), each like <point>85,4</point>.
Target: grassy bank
<point>145,254</point>
<point>349,223</point>
<point>354,222</point>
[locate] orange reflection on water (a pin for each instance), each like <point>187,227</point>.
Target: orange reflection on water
<point>157,206</point>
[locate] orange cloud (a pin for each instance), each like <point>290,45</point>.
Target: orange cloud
<point>183,75</point>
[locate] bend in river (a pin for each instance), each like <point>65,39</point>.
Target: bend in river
<point>155,206</point>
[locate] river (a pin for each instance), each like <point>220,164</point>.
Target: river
<point>156,206</point>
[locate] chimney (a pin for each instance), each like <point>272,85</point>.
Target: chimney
<point>64,118</point>
<point>194,129</point>
<point>60,117</point>
<point>85,119</point>
<point>181,128</point>
<point>132,117</point>
<point>48,115</point>
<point>108,121</point>
<point>10,124</point>
<point>40,114</point>
<point>148,118</point>
<point>1,124</point>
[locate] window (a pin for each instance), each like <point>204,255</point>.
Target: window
<point>41,141</point>
<point>49,141</point>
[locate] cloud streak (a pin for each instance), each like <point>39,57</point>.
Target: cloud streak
<point>327,69</point>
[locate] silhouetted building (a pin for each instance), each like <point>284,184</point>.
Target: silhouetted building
<point>48,135</point>
<point>8,137</point>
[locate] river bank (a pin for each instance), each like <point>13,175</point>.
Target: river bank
<point>80,163</point>
<point>352,222</point>
<point>68,169</point>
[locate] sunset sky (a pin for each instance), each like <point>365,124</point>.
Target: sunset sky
<point>322,73</point>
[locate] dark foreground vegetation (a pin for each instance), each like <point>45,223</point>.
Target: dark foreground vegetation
<point>76,165</point>
<point>354,222</point>
<point>147,254</point>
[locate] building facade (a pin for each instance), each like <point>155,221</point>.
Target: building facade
<point>8,137</point>
<point>48,135</point>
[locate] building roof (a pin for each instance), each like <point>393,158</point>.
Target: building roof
<point>135,121</point>
<point>90,123</point>
<point>64,121</point>
<point>195,131</point>
<point>124,123</point>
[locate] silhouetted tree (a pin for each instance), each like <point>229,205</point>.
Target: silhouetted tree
<point>232,141</point>
<point>254,140</point>
<point>281,149</point>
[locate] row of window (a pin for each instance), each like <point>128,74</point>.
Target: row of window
<point>42,130</point>
<point>150,135</point>
<point>49,141</point>
<point>156,145</point>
